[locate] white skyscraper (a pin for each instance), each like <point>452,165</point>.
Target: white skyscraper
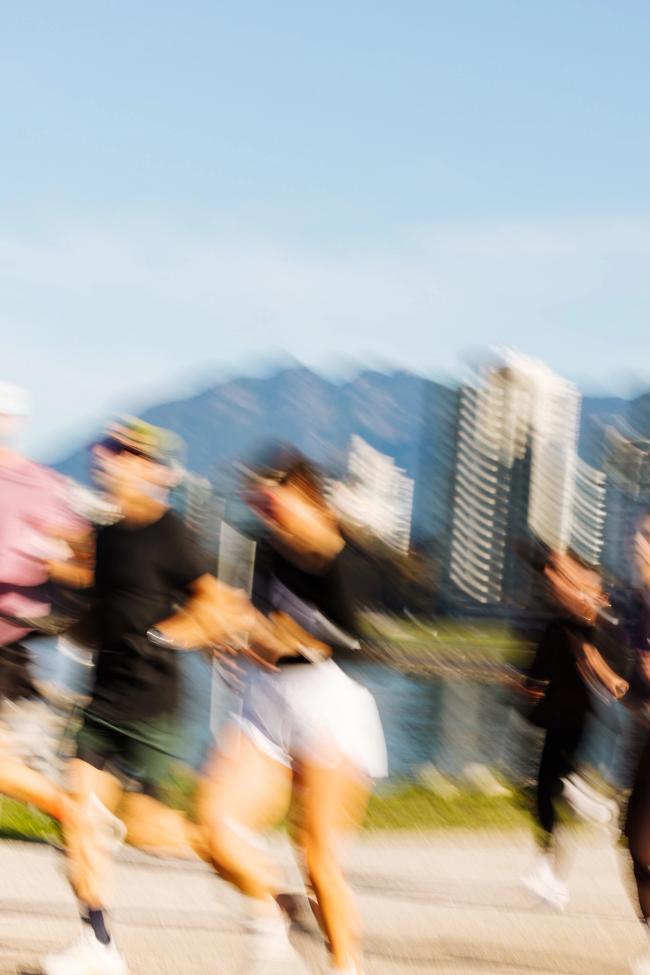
<point>589,513</point>
<point>376,494</point>
<point>518,474</point>
<point>626,460</point>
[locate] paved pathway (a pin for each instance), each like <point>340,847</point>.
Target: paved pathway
<point>444,903</point>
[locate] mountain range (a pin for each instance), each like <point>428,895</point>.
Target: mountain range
<point>406,416</point>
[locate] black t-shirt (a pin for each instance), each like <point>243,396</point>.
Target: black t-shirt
<point>323,602</point>
<point>566,701</point>
<point>140,572</point>
<point>633,618</point>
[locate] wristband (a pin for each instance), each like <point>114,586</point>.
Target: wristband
<point>156,636</point>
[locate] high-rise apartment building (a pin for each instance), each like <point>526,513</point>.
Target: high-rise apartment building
<point>375,494</point>
<point>518,477</point>
<point>626,461</point>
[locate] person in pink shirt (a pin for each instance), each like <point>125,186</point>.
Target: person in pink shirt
<point>34,523</point>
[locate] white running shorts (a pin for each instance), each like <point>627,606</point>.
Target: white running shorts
<point>315,713</point>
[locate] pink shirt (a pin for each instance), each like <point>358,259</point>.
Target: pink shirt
<point>32,505</point>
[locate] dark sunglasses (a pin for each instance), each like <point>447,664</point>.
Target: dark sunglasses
<point>113,446</point>
<point>266,477</point>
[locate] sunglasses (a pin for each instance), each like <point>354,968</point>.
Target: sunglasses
<point>113,446</point>
<point>269,478</point>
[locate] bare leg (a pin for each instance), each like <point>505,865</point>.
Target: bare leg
<point>332,800</point>
<point>240,795</point>
<point>90,860</point>
<point>19,781</point>
<point>154,827</point>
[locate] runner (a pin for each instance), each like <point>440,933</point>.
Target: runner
<point>306,731</point>
<point>565,666</point>
<point>144,564</point>
<point>637,824</point>
<point>32,515</point>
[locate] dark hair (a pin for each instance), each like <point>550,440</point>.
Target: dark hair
<point>538,555</point>
<point>582,562</point>
<point>283,463</point>
<point>308,478</point>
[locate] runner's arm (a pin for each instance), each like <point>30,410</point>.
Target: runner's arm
<point>220,616</point>
<point>595,664</point>
<point>78,571</point>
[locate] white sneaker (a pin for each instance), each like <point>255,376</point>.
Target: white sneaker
<point>86,956</point>
<point>546,886</point>
<point>270,951</point>
<point>588,802</point>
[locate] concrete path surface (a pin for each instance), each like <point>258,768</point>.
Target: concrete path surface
<point>447,903</point>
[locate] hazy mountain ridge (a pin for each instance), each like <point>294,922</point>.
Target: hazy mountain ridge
<point>404,415</point>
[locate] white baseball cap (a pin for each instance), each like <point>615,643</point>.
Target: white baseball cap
<point>14,400</point>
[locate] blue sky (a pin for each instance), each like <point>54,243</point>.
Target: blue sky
<point>187,188</point>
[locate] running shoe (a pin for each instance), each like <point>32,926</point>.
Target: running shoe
<point>86,956</point>
<point>588,803</point>
<point>546,886</point>
<point>290,905</point>
<point>299,910</point>
<point>269,950</point>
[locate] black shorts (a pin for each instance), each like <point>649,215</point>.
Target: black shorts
<point>141,751</point>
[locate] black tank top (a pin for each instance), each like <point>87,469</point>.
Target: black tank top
<point>322,603</point>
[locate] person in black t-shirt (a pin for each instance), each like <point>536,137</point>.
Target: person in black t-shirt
<point>637,821</point>
<point>565,664</point>
<point>145,566</point>
<point>306,728</point>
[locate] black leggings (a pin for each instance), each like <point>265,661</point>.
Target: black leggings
<point>637,830</point>
<point>558,759</point>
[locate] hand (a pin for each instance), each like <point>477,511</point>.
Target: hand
<point>522,684</point>
<point>178,633</point>
<point>226,655</point>
<point>575,588</point>
<point>278,635</point>
<point>185,632</point>
<point>592,666</point>
<point>292,636</point>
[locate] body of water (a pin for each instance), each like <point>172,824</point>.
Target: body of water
<point>450,723</point>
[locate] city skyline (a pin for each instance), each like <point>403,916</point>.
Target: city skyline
<point>519,478</point>
<point>51,447</point>
<point>524,465</point>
